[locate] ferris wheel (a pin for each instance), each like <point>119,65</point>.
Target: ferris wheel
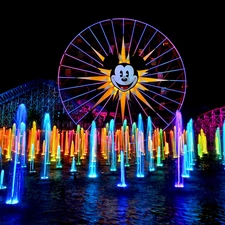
<point>120,68</point>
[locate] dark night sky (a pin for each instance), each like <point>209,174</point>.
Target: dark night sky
<point>34,37</point>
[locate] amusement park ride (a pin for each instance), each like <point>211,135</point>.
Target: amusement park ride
<point>113,69</point>
<point>118,68</point>
<point>122,84</point>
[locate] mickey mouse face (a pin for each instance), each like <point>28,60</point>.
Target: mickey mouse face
<point>124,78</point>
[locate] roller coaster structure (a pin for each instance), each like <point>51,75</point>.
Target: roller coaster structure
<point>209,122</point>
<point>41,96</point>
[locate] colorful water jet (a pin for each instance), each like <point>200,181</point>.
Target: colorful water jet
<point>125,142</point>
<point>149,146</point>
<point>111,140</point>
<point>122,171</point>
<point>179,181</point>
<point>2,173</point>
<point>2,186</point>
<point>218,143</point>
<point>190,140</point>
<point>223,141</point>
<point>93,151</point>
<point>73,167</point>
<point>46,146</point>
<point>58,158</point>
<point>32,157</point>
<point>16,173</point>
<point>140,148</point>
<point>118,146</point>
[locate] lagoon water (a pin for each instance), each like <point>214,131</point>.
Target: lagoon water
<point>67,198</point>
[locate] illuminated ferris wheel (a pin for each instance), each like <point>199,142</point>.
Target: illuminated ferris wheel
<point>120,68</point>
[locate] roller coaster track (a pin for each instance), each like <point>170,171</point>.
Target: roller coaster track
<point>39,96</point>
<point>209,122</point>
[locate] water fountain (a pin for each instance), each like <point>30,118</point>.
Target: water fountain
<point>125,142</point>
<point>78,150</point>
<point>120,146</point>
<point>140,148</point>
<point>179,181</point>
<point>93,152</point>
<point>113,156</point>
<point>223,141</point>
<point>58,158</point>
<point>16,172</point>
<point>73,167</point>
<point>218,143</point>
<point>2,186</point>
<point>149,147</point>
<point>32,157</point>
<point>190,145</point>
<point>46,146</point>
<point>122,171</point>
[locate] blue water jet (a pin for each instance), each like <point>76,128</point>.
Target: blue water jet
<point>122,171</point>
<point>45,169</point>
<point>92,151</point>
<point>140,154</point>
<point>149,147</point>
<point>16,173</point>
<point>2,186</point>
<point>73,167</point>
<point>113,156</point>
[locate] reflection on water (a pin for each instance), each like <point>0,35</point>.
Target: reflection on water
<point>76,199</point>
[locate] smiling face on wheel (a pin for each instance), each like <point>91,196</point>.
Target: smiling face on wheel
<point>124,77</point>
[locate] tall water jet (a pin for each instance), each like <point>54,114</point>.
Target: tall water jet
<point>223,141</point>
<point>190,145</point>
<point>73,167</point>
<point>23,153</point>
<point>122,171</point>
<point>58,158</point>
<point>2,172</point>
<point>185,165</point>
<point>45,169</point>
<point>125,142</point>
<point>92,151</point>
<point>32,157</point>
<point>161,145</point>
<point>54,144</point>
<point>140,148</point>
<point>16,173</point>
<point>78,145</point>
<point>108,145</point>
<point>159,154</point>
<point>218,144</point>
<point>2,186</point>
<point>149,148</point>
<point>179,182</point>
<point>113,162</point>
<point>202,144</point>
